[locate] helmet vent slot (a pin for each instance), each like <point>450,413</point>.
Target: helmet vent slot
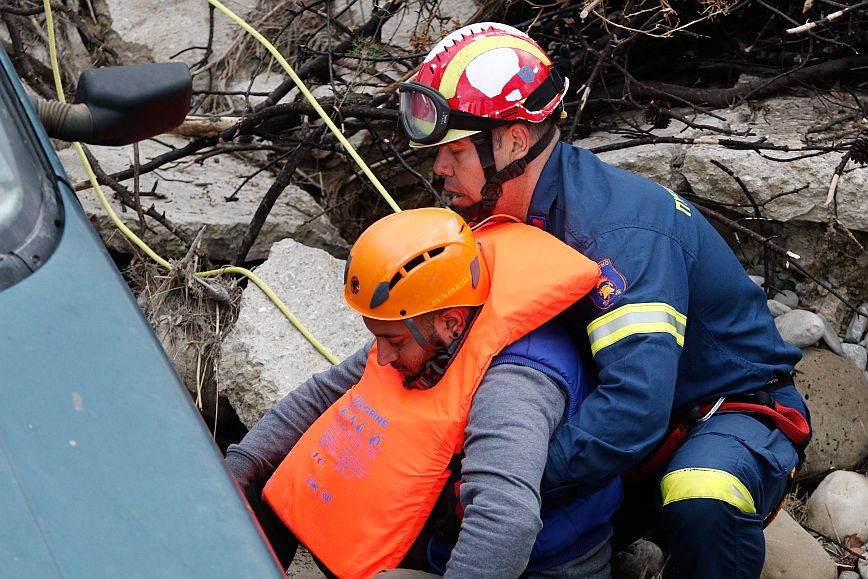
<point>395,279</point>
<point>416,261</point>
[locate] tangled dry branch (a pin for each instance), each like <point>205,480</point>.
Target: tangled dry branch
<point>659,58</point>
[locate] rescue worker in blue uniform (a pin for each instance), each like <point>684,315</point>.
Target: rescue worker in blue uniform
<point>695,383</point>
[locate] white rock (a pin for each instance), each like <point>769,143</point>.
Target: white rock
<point>782,122</point>
<point>195,197</point>
<point>777,308</point>
<point>857,325</point>
<point>849,575</point>
<point>265,357</point>
<point>800,328</point>
<point>863,568</point>
<point>839,506</point>
<point>757,279</point>
<point>856,353</point>
<point>788,298</point>
<point>792,553</point>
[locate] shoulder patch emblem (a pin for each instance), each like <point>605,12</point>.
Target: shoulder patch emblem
<point>610,286</point>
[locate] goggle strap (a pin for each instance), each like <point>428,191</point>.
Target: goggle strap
<point>546,92</point>
<point>467,122</point>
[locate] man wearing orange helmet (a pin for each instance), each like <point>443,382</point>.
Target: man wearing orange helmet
<point>426,448</point>
<point>486,96</point>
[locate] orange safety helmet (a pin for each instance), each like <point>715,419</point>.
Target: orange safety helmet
<point>414,262</point>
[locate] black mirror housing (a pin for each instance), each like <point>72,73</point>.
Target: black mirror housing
<point>131,103</point>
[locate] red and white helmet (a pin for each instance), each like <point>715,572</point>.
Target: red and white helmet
<point>478,77</point>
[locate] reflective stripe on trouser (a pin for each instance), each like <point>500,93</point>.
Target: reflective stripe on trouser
<point>728,475</point>
<point>706,483</point>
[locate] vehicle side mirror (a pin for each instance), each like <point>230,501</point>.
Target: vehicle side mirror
<point>121,105</point>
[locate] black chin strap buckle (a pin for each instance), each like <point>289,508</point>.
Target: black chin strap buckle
<point>491,192</point>
<point>513,170</point>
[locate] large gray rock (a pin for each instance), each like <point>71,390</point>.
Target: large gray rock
<point>265,357</point>
<point>837,394</point>
<point>781,121</point>
<point>839,506</point>
<point>800,328</point>
<point>195,197</point>
<point>792,553</point>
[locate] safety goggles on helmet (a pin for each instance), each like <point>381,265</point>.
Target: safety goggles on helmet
<point>426,116</point>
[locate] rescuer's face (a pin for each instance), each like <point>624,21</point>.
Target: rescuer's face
<point>458,164</point>
<point>463,178</point>
<point>397,347</point>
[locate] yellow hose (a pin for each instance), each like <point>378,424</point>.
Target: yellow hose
<point>277,302</point>
<point>52,51</point>
<point>301,86</point>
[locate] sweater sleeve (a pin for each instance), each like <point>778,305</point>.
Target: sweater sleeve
<point>261,451</point>
<point>513,416</point>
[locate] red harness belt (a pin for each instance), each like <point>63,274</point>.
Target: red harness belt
<point>789,420</point>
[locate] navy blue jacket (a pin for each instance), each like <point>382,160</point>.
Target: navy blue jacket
<point>673,321</point>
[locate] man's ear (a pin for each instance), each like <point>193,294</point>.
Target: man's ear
<point>520,139</point>
<point>449,322</point>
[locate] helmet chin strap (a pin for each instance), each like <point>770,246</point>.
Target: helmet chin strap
<point>440,361</point>
<point>494,179</point>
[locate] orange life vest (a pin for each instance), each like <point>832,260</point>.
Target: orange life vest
<point>360,483</point>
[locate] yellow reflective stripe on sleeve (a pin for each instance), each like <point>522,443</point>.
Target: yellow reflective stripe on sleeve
<point>449,82</point>
<point>649,318</point>
<point>706,483</point>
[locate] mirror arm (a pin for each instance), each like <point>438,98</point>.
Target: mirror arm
<point>64,121</point>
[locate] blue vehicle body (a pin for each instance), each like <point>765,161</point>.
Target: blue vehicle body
<point>106,467</point>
